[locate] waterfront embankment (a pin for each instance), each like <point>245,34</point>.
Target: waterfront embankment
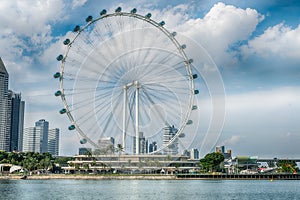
<point>91,177</point>
<point>156,177</point>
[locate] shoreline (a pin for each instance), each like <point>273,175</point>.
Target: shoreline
<point>89,177</point>
<point>153,177</point>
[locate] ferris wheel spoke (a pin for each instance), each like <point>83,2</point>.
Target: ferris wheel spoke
<point>161,81</point>
<point>79,105</point>
<point>166,71</point>
<point>82,118</point>
<point>166,92</point>
<point>108,120</point>
<point>153,103</point>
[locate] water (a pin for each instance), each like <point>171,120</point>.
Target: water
<point>149,189</point>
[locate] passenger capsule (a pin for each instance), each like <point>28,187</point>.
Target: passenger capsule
<point>103,12</point>
<point>67,41</point>
<point>195,107</point>
<point>57,93</point>
<point>162,23</point>
<point>89,18</point>
<point>148,15</point>
<point>195,76</point>
<point>189,122</point>
<point>76,29</point>
<point>174,34</point>
<point>60,57</point>
<point>133,11</point>
<point>181,135</point>
<point>56,75</point>
<point>196,91</point>
<point>63,111</point>
<point>183,46</point>
<point>83,141</point>
<point>190,61</point>
<point>71,127</point>
<point>119,9</point>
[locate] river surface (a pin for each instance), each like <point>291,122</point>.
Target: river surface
<point>149,189</point>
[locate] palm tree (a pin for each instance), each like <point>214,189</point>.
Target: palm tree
<point>119,150</point>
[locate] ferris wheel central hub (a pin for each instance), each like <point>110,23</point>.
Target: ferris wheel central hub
<point>133,83</point>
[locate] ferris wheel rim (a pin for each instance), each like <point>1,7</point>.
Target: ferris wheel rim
<point>170,37</point>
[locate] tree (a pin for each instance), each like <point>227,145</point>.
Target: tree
<point>63,160</point>
<point>86,166</point>
<point>3,155</point>
<point>119,150</point>
<point>211,162</point>
<point>287,166</point>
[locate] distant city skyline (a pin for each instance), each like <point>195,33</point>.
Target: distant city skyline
<point>11,113</point>
<point>255,45</point>
<point>41,138</point>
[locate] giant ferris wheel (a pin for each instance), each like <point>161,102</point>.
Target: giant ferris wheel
<point>124,75</point>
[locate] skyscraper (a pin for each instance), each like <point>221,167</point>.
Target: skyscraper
<point>11,115</point>
<point>32,139</point>
<point>169,133</point>
<point>4,127</point>
<point>142,143</point>
<point>44,134</point>
<point>53,141</point>
<point>194,154</point>
<point>15,120</point>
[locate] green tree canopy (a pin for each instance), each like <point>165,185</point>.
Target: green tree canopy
<point>211,162</point>
<point>29,160</point>
<point>288,166</point>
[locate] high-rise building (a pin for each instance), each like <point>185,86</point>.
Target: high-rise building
<point>106,145</point>
<point>32,139</point>
<point>220,149</point>
<point>11,115</point>
<point>194,154</point>
<point>44,135</point>
<point>186,153</point>
<point>169,133</point>
<point>151,147</point>
<point>142,143</point>
<point>4,126</point>
<point>15,120</point>
<point>53,141</point>
<point>84,151</point>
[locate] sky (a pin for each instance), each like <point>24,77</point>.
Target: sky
<point>255,46</point>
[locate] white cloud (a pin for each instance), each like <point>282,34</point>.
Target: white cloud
<point>78,3</point>
<point>29,18</point>
<point>264,100</point>
<point>231,141</point>
<point>223,26</point>
<point>25,29</point>
<point>279,40</point>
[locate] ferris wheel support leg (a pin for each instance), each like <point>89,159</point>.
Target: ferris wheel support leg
<point>124,118</point>
<point>137,141</point>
